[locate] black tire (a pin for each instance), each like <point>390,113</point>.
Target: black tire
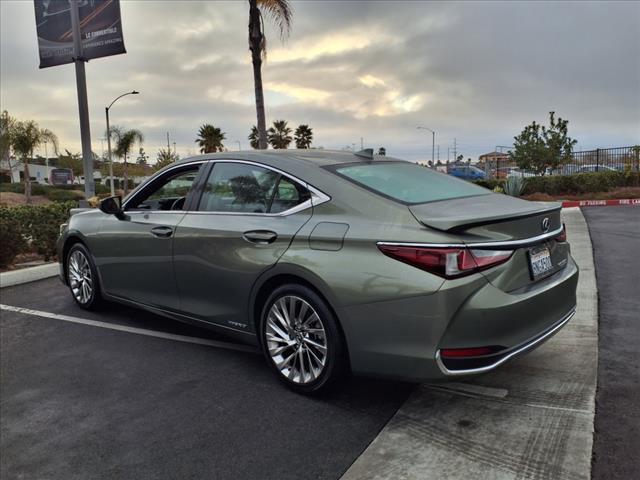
<point>94,299</point>
<point>335,362</point>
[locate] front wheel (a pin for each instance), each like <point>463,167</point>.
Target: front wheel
<point>301,339</point>
<point>82,277</point>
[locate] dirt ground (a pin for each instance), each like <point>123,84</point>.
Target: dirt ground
<point>10,198</point>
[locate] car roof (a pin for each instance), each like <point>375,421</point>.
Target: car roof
<point>310,157</point>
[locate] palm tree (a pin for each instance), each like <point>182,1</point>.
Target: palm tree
<point>303,136</point>
<point>26,137</point>
<point>210,139</point>
<point>125,140</point>
<point>280,134</point>
<point>281,13</point>
<point>254,138</point>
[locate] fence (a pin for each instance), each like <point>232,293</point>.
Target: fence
<point>601,159</point>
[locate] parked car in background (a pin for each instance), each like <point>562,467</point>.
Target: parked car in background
<point>516,172</point>
<point>595,168</point>
<point>332,262</point>
<point>467,172</point>
<point>61,176</point>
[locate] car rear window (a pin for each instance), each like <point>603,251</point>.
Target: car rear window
<point>408,183</point>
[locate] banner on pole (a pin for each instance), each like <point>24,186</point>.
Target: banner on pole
<point>100,30</point>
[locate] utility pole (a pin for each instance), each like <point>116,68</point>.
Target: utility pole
<point>361,143</point>
<point>438,153</point>
<point>455,150</point>
<point>448,153</point>
<point>174,149</point>
<point>168,144</point>
<point>81,85</point>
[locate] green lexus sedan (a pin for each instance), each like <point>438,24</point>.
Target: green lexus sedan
<point>331,262</point>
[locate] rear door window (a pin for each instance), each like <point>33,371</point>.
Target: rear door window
<point>407,182</point>
<point>246,188</point>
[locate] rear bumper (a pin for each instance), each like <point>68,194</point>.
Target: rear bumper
<point>498,359</point>
<point>402,339</point>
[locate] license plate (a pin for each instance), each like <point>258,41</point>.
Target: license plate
<point>540,262</point>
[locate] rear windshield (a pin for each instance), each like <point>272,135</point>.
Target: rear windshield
<point>408,183</point>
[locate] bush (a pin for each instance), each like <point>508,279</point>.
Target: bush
<point>12,241</point>
<point>60,195</point>
<point>581,183</point>
<point>37,226</point>
<point>490,183</point>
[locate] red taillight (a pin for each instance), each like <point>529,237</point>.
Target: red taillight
<point>467,352</point>
<point>563,234</point>
<point>447,262</point>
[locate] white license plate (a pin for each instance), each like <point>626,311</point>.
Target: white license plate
<point>540,262</point>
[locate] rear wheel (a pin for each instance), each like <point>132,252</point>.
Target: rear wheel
<point>301,339</point>
<point>82,277</point>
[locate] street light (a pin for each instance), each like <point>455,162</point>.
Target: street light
<point>433,142</point>
<point>106,110</point>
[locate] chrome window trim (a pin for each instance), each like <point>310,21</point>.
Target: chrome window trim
<point>471,371</point>
<point>317,196</point>
<point>497,244</point>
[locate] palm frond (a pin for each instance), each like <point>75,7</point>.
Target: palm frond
<point>281,13</point>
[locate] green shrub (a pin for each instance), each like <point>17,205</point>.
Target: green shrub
<point>581,183</point>
<point>37,226</point>
<point>490,183</point>
<point>12,242</point>
<point>514,186</point>
<point>63,195</point>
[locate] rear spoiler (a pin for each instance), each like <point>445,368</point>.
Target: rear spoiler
<point>463,213</point>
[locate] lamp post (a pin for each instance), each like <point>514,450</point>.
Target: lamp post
<point>106,110</point>
<point>433,142</point>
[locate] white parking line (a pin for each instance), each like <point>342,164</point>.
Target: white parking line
<point>134,330</point>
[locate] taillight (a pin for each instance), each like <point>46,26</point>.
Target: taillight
<point>447,262</point>
<point>563,234</point>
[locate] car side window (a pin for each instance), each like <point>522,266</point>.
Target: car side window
<point>238,188</point>
<point>288,195</point>
<point>169,193</point>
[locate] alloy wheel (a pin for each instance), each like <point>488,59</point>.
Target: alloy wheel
<point>296,339</point>
<point>80,278</point>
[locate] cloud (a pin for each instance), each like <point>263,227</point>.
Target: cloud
<point>474,71</point>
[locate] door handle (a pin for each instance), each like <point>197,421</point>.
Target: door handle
<point>260,237</point>
<point>161,232</point>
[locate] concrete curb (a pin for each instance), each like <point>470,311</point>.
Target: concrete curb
<point>600,203</point>
<point>27,275</point>
<point>531,419</point>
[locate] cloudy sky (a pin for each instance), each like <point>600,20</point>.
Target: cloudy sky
<point>473,71</point>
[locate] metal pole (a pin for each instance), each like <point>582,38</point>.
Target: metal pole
<point>239,145</point>
<point>83,107</point>
<point>113,192</point>
<point>433,146</point>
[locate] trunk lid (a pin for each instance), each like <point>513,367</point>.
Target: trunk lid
<point>500,218</point>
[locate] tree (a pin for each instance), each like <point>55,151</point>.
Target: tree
<point>539,147</point>
<point>72,161</point>
<point>210,139</point>
<point>254,138</point>
<point>26,137</point>
<point>281,14</point>
<point>280,135</point>
<point>125,140</point>
<point>142,157</point>
<point>303,136</point>
<point>165,157</point>
<point>382,151</point>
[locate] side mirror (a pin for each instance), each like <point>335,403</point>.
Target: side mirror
<point>112,205</point>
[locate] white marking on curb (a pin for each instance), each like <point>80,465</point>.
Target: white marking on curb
<point>134,330</point>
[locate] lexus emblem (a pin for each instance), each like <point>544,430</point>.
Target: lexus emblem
<point>545,224</point>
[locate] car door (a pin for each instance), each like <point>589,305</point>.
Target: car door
<point>134,251</point>
<point>247,216</point>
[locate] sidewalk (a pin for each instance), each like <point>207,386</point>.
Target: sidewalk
<point>26,275</point>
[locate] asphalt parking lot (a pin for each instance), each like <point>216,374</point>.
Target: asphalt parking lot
<point>80,401</point>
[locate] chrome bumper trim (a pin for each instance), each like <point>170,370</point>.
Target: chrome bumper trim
<point>517,351</point>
